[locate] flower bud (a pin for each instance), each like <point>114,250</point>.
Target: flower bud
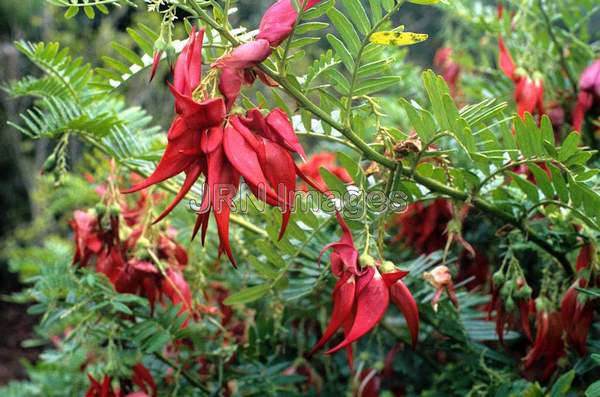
<point>509,304</point>
<point>498,278</point>
<point>524,293</point>
<point>49,164</point>
<point>100,209</point>
<point>115,209</point>
<point>366,260</point>
<point>506,291</point>
<point>387,267</point>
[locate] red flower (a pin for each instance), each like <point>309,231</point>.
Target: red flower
<point>260,149</point>
<point>326,160</point>
<point>142,378</point>
<point>361,295</point>
<point>450,70</point>
<point>87,240</point>
<point>577,311</point>
<point>370,383</point>
<point>423,227</point>
<point>103,389</point>
<point>589,93</point>
<point>542,359</point>
<point>275,26</point>
<point>529,93</point>
<point>192,125</point>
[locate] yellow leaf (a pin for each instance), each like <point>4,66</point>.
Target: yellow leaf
<point>424,2</point>
<point>398,38</point>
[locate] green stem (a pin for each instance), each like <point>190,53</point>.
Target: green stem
<point>372,154</point>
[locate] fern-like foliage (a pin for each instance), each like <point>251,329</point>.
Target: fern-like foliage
<point>70,99</point>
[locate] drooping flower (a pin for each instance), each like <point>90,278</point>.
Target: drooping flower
<point>508,295</point>
<point>141,378</point>
<point>260,149</point>
<point>577,311</point>
<point>422,227</point>
<point>193,124</point>
<point>589,94</point>
<point>529,92</point>
<point>548,347</point>
<point>87,241</point>
<point>362,293</point>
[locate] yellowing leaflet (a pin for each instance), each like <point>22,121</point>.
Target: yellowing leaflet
<point>397,38</point>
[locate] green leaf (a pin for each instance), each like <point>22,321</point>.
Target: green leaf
<point>319,9</point>
<point>358,15</point>
<point>341,51</point>
<point>346,30</point>
<point>569,146</point>
<point>333,182</point>
<point>102,8</point>
<point>248,295</point>
<point>376,84</point>
<point>262,268</point>
<point>310,26</point>
<point>527,187</point>
<point>352,166</point>
<point>562,385</point>
<point>559,183</point>
<point>89,12</point>
<point>541,179</point>
<point>71,12</point>
<point>593,390</point>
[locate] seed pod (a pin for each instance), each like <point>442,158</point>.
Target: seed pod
<point>49,164</point>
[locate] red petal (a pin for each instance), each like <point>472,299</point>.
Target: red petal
<point>505,60</point>
<point>343,300</point>
<point>199,115</point>
<point>245,56</point>
<point>371,305</point>
<point>245,160</point>
<point>278,167</point>
<point>391,277</point>
<point>191,176</point>
<point>188,67</point>
<point>281,127</point>
<point>223,182</point>
<point>403,299</point>
<point>230,85</point>
<point>173,162</point>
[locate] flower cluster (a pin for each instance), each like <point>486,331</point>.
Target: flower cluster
<point>362,294</point>
<point>204,140</point>
<point>135,259</point>
<point>141,379</point>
